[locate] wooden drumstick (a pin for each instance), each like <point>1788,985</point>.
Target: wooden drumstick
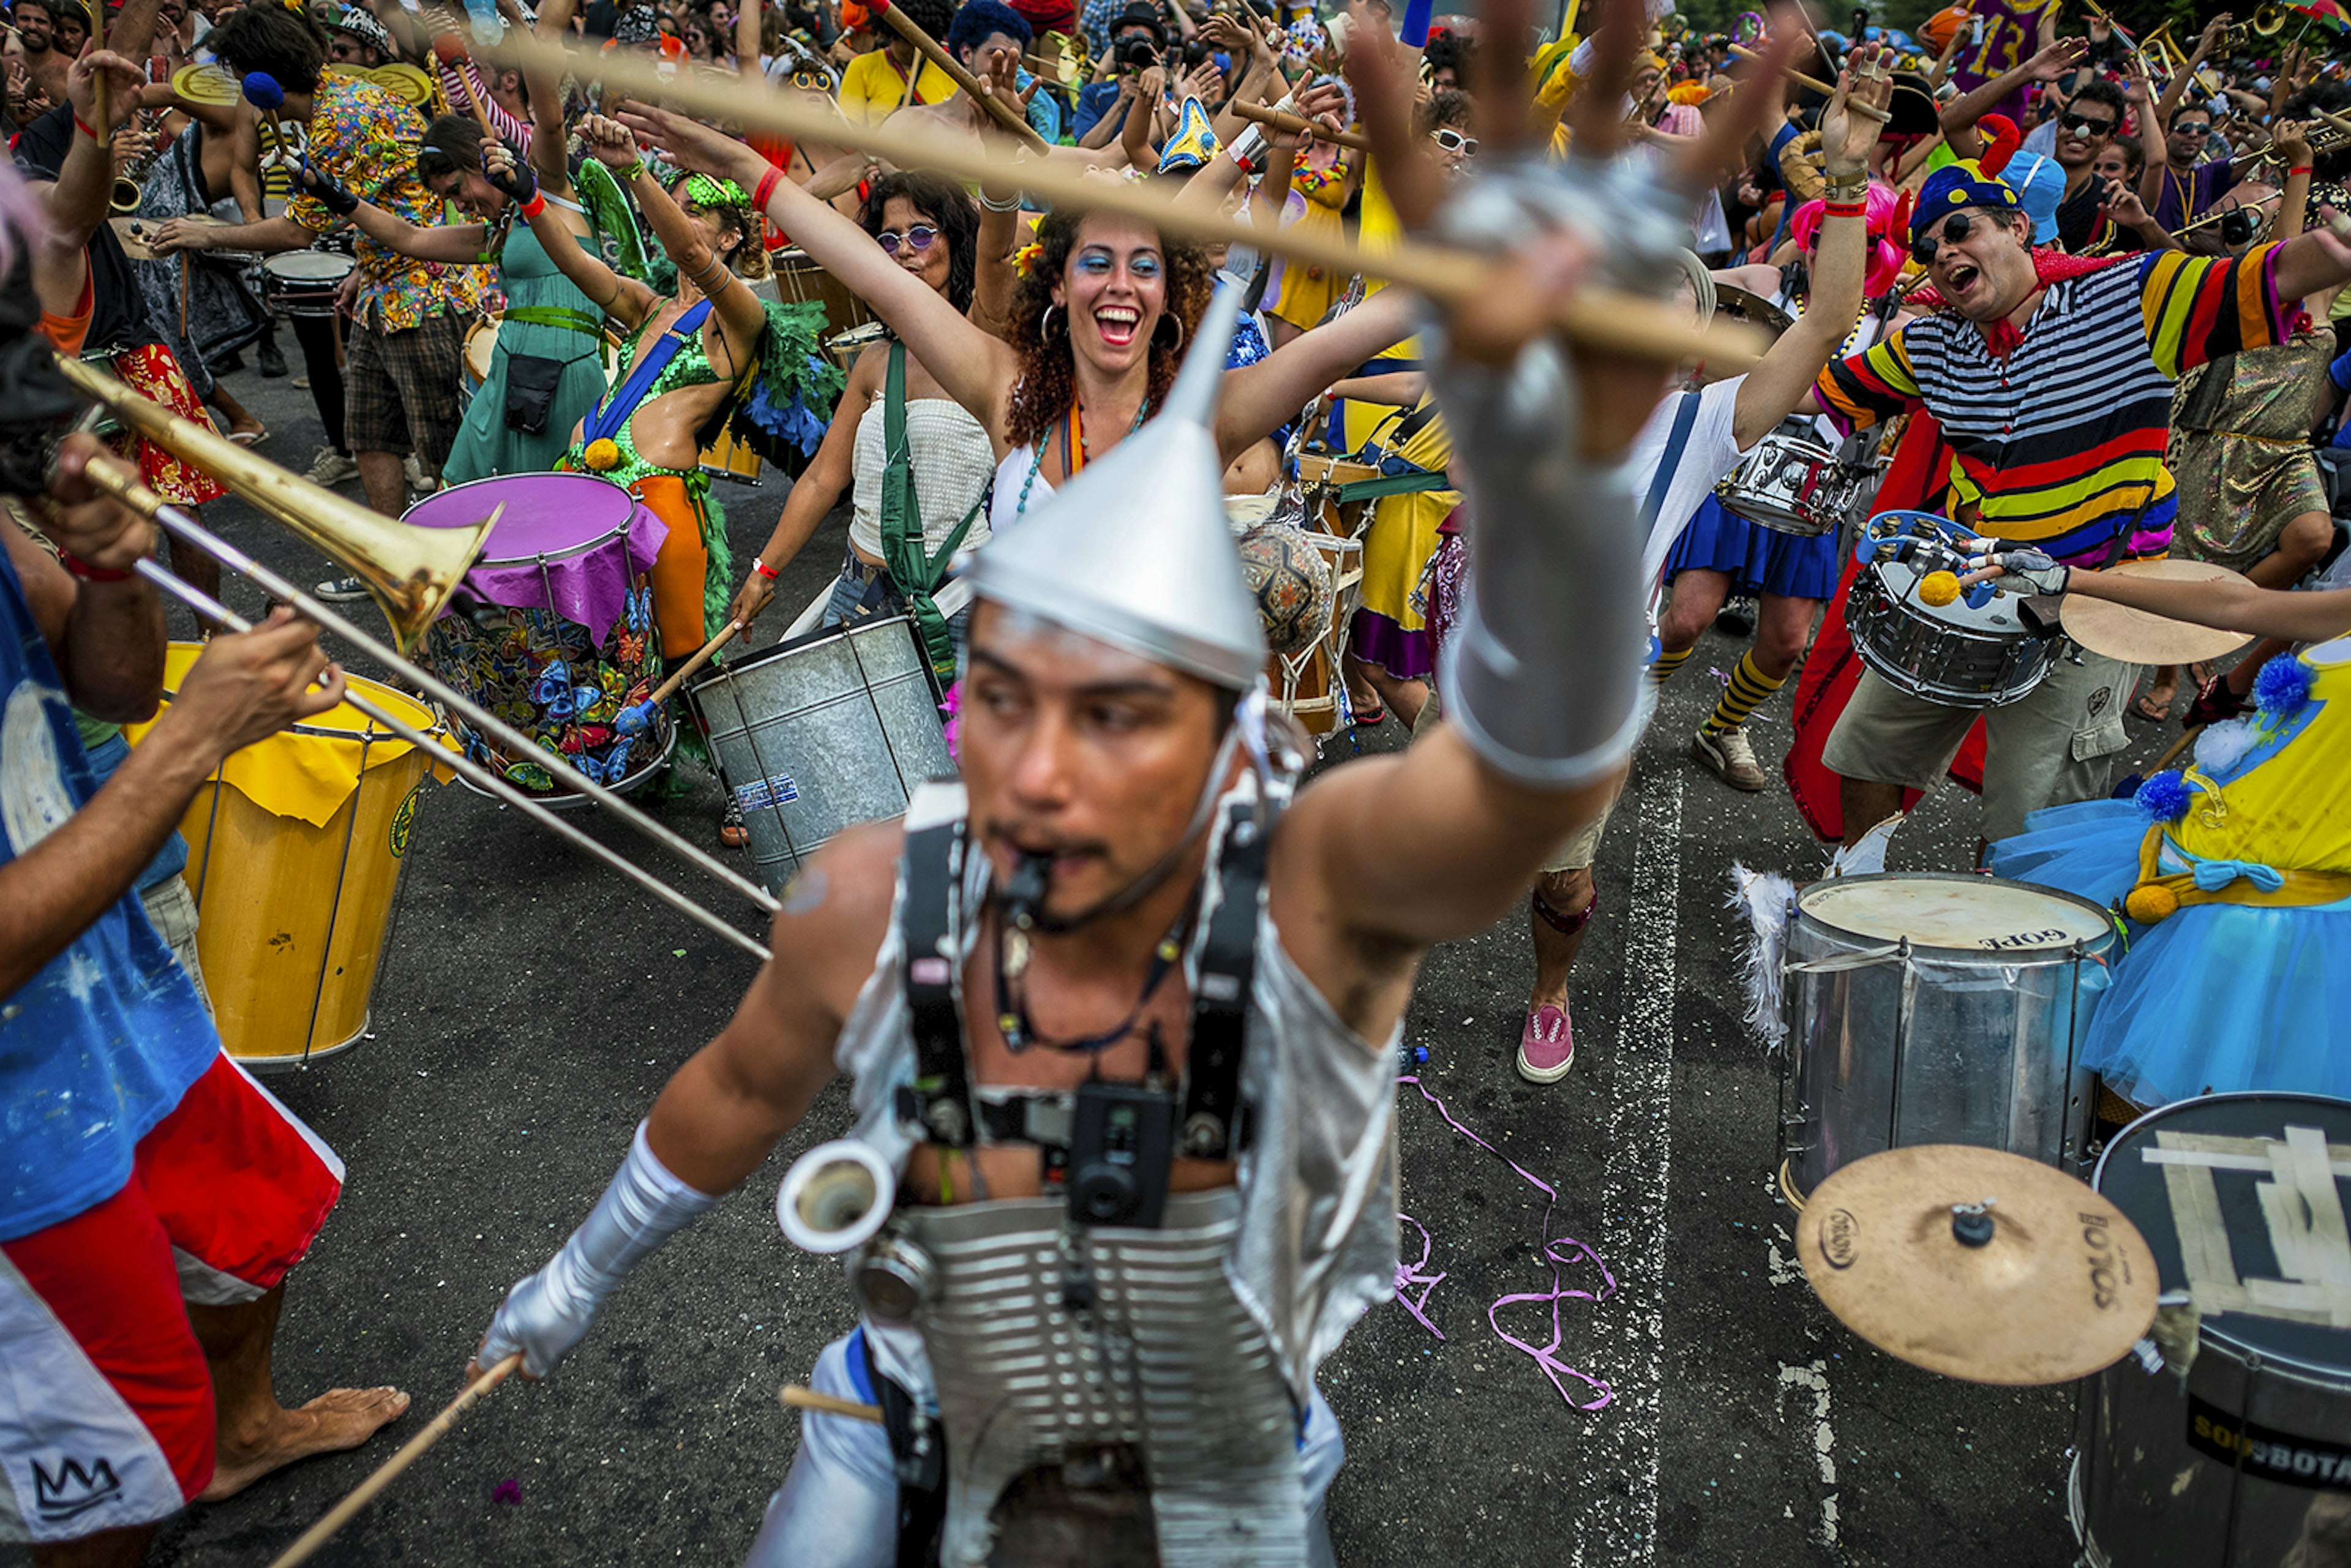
<point>1818,86</point>
<point>450,50</point>
<point>637,716</point>
<point>796,1397</point>
<point>335,1518</point>
<point>1298,125</point>
<point>928,47</point>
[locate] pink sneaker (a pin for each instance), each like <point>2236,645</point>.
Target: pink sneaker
<point>1547,1047</point>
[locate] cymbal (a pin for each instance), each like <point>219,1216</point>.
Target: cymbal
<point>206,83</point>
<point>2058,1285</point>
<point>2139,637</point>
<point>1752,308</point>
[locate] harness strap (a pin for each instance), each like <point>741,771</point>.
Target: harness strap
<point>940,1097</point>
<point>615,409</point>
<point>1226,969</point>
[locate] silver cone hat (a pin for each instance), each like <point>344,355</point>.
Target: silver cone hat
<point>1134,551</point>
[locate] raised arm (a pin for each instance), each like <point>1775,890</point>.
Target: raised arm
<point>78,201</point>
<point>1959,117</point>
<point>739,315</point>
<point>974,368</point>
<point>543,84</point>
<point>624,299</point>
<point>1258,399</point>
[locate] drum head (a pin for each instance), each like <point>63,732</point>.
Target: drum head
<point>481,345</point>
<point>551,515</point>
<point>309,265</point>
<point>2242,1200</point>
<point>1899,580</point>
<point>1962,914</point>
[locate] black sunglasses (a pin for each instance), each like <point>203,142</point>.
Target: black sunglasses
<point>1960,226</point>
<point>2096,125</point>
<point>918,236</point>
<point>2205,130</point>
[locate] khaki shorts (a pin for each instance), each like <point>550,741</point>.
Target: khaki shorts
<point>172,910</point>
<point>2052,748</point>
<point>1582,846</point>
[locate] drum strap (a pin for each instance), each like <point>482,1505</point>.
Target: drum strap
<point>614,410</point>
<point>940,1099</point>
<point>913,567</point>
<point>1669,460</point>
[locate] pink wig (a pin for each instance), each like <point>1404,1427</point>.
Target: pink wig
<point>1886,255</point>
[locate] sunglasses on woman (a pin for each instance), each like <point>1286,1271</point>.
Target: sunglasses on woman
<point>918,236</point>
<point>1454,141</point>
<point>1923,249</point>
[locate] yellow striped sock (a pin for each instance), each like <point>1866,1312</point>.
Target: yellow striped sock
<point>1748,686</point>
<point>1668,663</point>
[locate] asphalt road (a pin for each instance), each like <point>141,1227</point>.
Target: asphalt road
<point>533,1003</point>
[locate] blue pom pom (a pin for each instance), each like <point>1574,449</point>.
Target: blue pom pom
<point>2283,687</point>
<point>2164,796</point>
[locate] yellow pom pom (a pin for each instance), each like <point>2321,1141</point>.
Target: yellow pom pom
<point>1938,589</point>
<point>2150,902</point>
<point>603,456</point>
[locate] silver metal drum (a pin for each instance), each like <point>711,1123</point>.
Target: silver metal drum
<point>1794,485</point>
<point>2237,1454</point>
<point>1947,654</point>
<point>1938,1009</point>
<point>822,733</point>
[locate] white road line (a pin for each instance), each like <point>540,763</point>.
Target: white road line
<point>1620,1514</point>
<point>1815,1378</point>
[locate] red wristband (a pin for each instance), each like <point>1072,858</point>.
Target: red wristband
<point>767,188</point>
<point>1845,209</point>
<point>83,125</point>
<point>763,568</point>
<point>89,573</point>
<point>2303,169</point>
<point>535,206</point>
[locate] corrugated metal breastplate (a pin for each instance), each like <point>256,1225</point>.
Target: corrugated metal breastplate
<point>1047,1339</point>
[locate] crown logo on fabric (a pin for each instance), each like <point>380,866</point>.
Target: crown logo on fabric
<point>73,1490</point>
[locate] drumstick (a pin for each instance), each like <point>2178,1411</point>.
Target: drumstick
<point>1818,86</point>
<point>796,1397</point>
<point>1298,125</point>
<point>928,47</point>
<point>335,1518</point>
<point>450,50</point>
<point>1598,318</point>
<point>636,716</point>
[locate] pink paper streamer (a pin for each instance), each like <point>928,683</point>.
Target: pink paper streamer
<point>1560,1251</point>
<point>1410,1274</point>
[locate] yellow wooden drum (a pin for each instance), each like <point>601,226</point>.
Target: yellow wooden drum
<point>295,850</point>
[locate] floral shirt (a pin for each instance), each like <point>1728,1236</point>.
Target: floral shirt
<point>366,138</point>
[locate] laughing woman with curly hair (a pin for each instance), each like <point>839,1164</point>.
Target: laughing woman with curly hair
<point>1097,327</point>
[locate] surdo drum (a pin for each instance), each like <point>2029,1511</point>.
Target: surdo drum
<point>2237,1453</point>
<point>1938,1009</point>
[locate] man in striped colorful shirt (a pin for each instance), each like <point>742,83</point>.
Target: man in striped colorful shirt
<point>2051,378</point>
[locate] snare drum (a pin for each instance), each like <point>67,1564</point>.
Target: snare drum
<point>303,282</point>
<point>823,732</point>
<point>1938,1009</point>
<point>728,457</point>
<point>1953,655</point>
<point>295,851</point>
<point>481,352</point>
<point>2237,1454</point>
<point>1792,484</point>
<point>562,636</point>
<point>844,347</point>
<point>799,279</point>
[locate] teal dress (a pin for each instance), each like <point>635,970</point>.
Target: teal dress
<point>548,318</point>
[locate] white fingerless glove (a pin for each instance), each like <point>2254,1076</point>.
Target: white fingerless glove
<point>548,1313</point>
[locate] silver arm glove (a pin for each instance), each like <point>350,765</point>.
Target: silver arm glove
<point>548,1313</point>
<point>1543,675</point>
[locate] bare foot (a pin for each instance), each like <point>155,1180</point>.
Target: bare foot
<point>338,1419</point>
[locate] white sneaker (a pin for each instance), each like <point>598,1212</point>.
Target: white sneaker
<point>331,467</point>
<point>1727,754</point>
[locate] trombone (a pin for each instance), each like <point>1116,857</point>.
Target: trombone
<point>411,573</point>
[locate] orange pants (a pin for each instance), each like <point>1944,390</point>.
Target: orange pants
<point>680,569</point>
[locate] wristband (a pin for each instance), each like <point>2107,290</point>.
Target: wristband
<point>89,573</point>
<point>2299,168</point>
<point>535,206</point>
<point>1011,204</point>
<point>632,172</point>
<point>85,128</point>
<point>764,569</point>
<point>768,182</point>
<point>1846,209</point>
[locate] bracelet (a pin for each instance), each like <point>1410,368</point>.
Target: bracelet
<point>2299,169</point>
<point>1846,209</point>
<point>89,573</point>
<point>763,568</point>
<point>632,172</point>
<point>86,129</point>
<point>535,206</point>
<point>1012,205</point>
<point>768,182</point>
<point>1854,188</point>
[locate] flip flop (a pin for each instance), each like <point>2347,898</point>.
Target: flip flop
<point>248,437</point>
<point>1368,718</point>
<point>2145,707</point>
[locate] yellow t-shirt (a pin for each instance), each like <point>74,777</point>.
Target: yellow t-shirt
<point>873,88</point>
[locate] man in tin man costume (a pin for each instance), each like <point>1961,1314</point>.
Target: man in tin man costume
<point>1122,1014</point>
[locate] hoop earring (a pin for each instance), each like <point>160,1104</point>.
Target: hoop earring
<point>1045,324</point>
<point>1177,346</point>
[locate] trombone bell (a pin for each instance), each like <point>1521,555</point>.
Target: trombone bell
<point>408,571</point>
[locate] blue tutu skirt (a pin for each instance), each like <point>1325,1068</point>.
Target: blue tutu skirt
<point>1758,559</point>
<point>2219,998</point>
